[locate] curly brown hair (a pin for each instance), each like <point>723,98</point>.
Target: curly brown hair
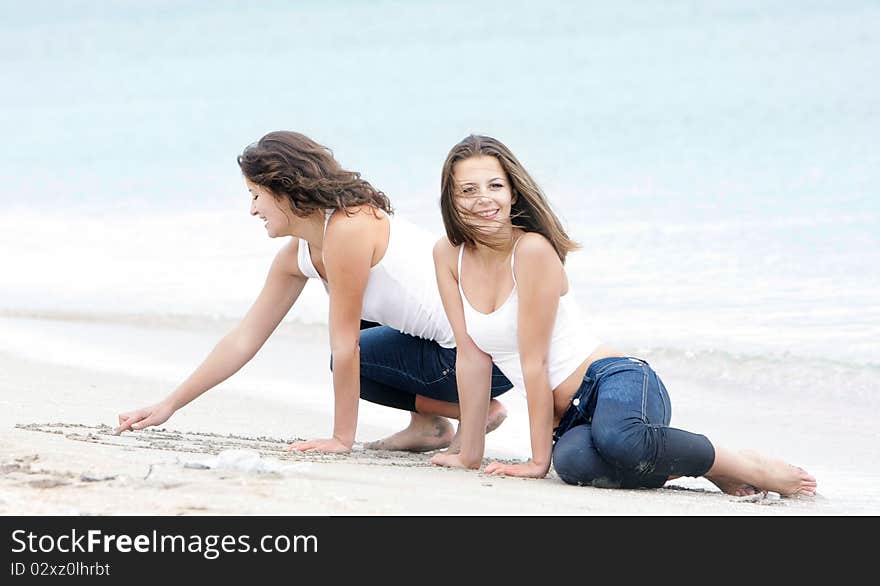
<point>530,210</point>
<point>296,168</point>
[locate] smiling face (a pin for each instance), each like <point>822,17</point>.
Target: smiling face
<point>486,194</point>
<point>483,194</point>
<point>267,208</point>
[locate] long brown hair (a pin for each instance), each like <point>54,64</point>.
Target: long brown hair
<point>530,209</point>
<point>296,168</point>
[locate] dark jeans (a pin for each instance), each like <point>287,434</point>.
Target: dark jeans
<point>616,433</point>
<point>396,367</point>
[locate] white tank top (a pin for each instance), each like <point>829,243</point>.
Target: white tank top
<point>496,334</point>
<point>401,289</point>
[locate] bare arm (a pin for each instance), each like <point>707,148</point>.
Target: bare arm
<point>540,280</point>
<point>282,287</point>
<point>473,367</point>
<point>349,244</point>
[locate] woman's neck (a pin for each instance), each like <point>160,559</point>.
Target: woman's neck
<point>310,229</point>
<point>489,256</point>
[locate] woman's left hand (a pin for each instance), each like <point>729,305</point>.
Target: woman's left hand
<point>329,446</point>
<point>524,470</point>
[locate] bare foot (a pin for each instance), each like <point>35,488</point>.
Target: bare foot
<point>737,472</point>
<point>779,476</point>
<point>734,487</point>
<point>424,434</point>
<point>497,415</point>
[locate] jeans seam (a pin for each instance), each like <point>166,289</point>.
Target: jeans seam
<point>407,375</point>
<point>600,373</point>
<point>660,392</point>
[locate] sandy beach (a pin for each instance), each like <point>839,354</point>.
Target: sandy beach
<point>225,453</point>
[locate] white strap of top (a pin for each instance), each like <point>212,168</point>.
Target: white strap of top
<point>327,214</point>
<point>460,290</point>
<point>512,254</point>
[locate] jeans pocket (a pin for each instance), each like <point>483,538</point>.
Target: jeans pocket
<point>580,409</point>
<point>585,403</point>
<point>439,377</point>
<point>438,366</point>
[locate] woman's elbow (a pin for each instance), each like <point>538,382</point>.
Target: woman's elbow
<point>242,343</point>
<point>535,370</point>
<point>473,363</point>
<point>345,350</point>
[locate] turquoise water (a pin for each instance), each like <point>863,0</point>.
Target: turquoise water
<point>717,160</point>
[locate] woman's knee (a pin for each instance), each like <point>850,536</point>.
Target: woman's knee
<point>577,461</point>
<point>630,449</point>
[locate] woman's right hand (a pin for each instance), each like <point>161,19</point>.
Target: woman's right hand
<point>453,461</point>
<point>327,446</point>
<point>140,418</point>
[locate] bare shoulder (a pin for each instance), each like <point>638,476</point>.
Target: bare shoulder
<point>446,254</point>
<point>357,222</point>
<point>536,263</point>
<point>534,249</point>
<point>444,249</point>
<point>362,214</point>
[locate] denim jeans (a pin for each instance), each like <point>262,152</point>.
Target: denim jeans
<point>396,367</point>
<point>616,432</point>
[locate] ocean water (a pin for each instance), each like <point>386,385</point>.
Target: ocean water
<point>718,162</point>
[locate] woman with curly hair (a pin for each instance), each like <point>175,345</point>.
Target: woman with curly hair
<point>376,269</point>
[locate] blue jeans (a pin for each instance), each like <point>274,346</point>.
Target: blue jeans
<point>616,433</point>
<point>396,367</point>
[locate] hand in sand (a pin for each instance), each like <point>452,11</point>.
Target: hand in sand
<point>524,470</point>
<point>451,461</point>
<point>140,418</point>
<point>330,446</point>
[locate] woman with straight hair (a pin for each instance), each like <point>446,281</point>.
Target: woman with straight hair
<point>602,418</point>
<point>376,269</point>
